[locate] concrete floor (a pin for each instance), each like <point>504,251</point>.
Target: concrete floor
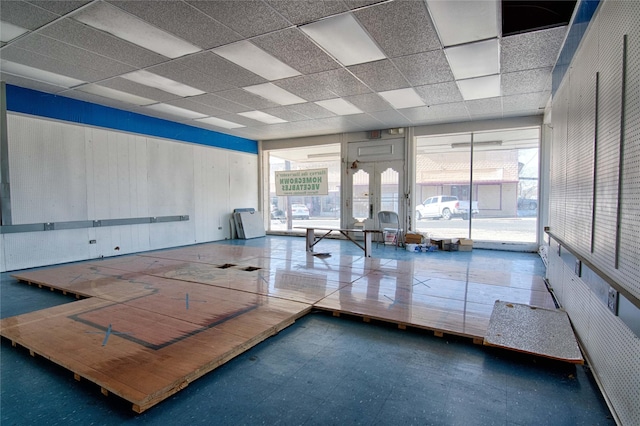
<point>323,370</point>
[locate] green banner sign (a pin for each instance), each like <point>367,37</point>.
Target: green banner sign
<point>302,182</point>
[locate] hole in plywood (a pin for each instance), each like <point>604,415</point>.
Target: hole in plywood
<point>226,266</point>
<point>251,268</point>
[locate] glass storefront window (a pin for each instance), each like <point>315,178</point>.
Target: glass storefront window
<point>287,212</point>
<point>499,184</point>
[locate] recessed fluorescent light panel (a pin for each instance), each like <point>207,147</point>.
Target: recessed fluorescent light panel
<point>38,75</point>
<point>162,83</point>
<point>275,94</point>
<point>177,111</point>
<point>218,122</point>
<point>465,21</point>
<point>256,60</point>
<point>344,38</point>
<point>480,88</point>
<point>263,117</point>
<point>402,98</point>
<point>108,18</point>
<point>9,31</point>
<point>116,94</point>
<point>340,107</point>
<point>474,59</point>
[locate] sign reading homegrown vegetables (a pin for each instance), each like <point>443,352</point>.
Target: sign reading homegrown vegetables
<point>302,182</point>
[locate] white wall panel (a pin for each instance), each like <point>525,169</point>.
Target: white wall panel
<point>170,178</point>
<point>47,170</point>
<point>243,179</point>
<point>30,249</point>
<point>211,184</point>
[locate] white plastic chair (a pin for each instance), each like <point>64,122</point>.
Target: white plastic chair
<point>388,221</point>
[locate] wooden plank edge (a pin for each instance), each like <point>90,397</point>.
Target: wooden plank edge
<point>65,291</point>
<point>402,325</point>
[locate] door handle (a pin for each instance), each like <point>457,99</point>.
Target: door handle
<point>370,211</point>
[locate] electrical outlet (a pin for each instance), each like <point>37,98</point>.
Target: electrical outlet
<point>578,268</point>
<point>92,241</point>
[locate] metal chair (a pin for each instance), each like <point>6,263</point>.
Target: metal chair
<point>388,221</point>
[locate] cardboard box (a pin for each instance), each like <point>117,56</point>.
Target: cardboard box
<point>464,248</point>
<point>442,243</point>
<point>413,238</point>
<point>465,242</point>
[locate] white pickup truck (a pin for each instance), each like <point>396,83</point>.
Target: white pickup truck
<point>445,207</point>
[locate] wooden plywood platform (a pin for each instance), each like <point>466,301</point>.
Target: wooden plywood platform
<point>542,332</point>
<point>152,323</point>
<point>149,345</point>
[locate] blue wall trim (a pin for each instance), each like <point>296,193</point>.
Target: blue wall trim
<point>582,16</point>
<point>42,104</point>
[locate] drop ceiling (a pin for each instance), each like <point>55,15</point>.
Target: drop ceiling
<point>278,69</point>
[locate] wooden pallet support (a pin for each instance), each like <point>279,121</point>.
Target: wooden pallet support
<point>336,313</point>
<point>478,341</point>
<point>77,377</point>
<point>32,353</point>
<point>438,333</point>
<point>104,391</point>
<point>402,326</point>
<point>366,319</point>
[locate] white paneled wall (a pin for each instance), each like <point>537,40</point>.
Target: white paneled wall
<point>61,172</point>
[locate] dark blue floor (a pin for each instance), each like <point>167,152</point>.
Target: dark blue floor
<point>321,370</point>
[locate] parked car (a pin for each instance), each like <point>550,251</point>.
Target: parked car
<point>445,207</point>
<point>527,204</point>
<point>299,211</point>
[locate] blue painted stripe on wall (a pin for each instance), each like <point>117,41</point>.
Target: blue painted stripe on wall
<point>42,104</point>
<point>583,15</point>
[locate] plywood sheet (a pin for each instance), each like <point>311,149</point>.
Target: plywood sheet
<point>528,329</point>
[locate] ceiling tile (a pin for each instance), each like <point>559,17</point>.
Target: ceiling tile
<point>286,113</point>
<point>137,89</point>
<point>537,49</point>
<point>239,119</point>
<point>370,102</point>
<point>96,99</point>
<point>59,7</point>
<point>74,33</point>
<point>104,67</point>
<point>31,84</point>
<point>537,80</point>
<point>247,99</point>
<point>530,102</point>
<point>182,20</point>
<point>306,87</point>
<point>311,110</point>
<point>365,121</point>
<point>428,114</point>
<point>391,118</point>
<point>340,82</point>
<point>356,4</point>
<point>220,103</point>
<point>227,74</point>
<point>45,63</point>
<point>491,106</point>
<point>452,112</point>
<point>249,17</point>
<point>380,75</point>
<point>295,49</point>
<point>188,76</point>
<point>25,15</point>
<point>439,93</point>
<point>195,106</point>
<point>303,11</point>
<point>400,28</point>
<point>425,68</point>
